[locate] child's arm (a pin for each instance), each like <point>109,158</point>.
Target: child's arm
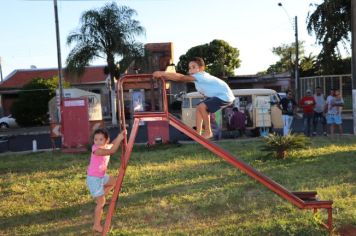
<point>115,145</point>
<point>173,76</point>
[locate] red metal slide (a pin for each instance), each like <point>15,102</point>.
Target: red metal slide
<point>302,200</point>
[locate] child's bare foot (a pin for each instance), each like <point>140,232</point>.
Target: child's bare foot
<point>98,229</point>
<point>207,135</point>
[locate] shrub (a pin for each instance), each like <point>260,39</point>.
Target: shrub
<point>31,107</point>
<point>278,145</point>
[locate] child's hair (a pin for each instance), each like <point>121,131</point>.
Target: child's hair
<point>103,132</point>
<point>199,61</point>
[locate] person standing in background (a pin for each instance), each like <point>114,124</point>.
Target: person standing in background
<point>238,121</point>
<point>334,109</point>
<point>288,106</point>
<point>307,103</point>
<point>319,111</point>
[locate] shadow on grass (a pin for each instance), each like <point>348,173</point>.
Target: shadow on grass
<point>79,229</point>
<point>35,162</point>
<point>9,224</point>
<point>45,217</point>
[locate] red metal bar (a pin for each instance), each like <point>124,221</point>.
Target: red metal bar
<point>151,116</point>
<point>164,95</point>
<point>317,204</point>
<point>330,219</point>
<point>120,177</point>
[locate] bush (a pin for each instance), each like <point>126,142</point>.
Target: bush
<point>278,145</point>
<point>31,108</point>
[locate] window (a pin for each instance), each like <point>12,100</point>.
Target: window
<point>195,101</point>
<point>274,99</point>
<point>186,103</point>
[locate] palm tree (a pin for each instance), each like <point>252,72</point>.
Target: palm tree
<point>105,33</point>
<point>308,65</point>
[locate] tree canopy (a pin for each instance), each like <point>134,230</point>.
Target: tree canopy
<point>32,106</point>
<point>286,53</point>
<point>331,24</point>
<point>220,58</point>
<point>308,65</point>
<point>107,33</point>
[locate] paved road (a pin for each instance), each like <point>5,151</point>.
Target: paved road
<point>21,139</point>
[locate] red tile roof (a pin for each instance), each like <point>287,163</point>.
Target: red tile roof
<point>18,78</point>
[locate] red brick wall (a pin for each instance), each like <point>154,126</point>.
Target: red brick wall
<point>157,57</point>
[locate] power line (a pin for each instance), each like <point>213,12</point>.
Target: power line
<point>29,90</point>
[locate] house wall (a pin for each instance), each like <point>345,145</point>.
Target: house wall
<point>279,85</point>
<point>103,91</point>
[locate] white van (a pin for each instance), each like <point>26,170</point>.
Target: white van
<point>261,107</point>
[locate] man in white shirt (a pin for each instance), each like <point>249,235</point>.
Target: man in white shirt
<point>319,111</point>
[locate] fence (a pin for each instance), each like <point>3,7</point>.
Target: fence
<point>327,82</point>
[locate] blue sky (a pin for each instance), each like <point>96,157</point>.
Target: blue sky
<point>27,29</point>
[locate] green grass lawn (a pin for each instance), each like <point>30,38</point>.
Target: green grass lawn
<point>184,190</point>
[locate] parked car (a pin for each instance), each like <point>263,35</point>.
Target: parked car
<point>7,122</point>
<point>282,95</point>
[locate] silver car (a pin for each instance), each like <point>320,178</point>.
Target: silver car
<point>7,122</point>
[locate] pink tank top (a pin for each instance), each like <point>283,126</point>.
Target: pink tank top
<point>98,164</point>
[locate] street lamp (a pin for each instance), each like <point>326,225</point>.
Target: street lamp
<point>296,73</point>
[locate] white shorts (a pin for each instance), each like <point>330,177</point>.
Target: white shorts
<point>96,185</point>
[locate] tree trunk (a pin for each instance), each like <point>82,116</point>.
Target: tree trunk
<point>111,66</point>
<point>281,154</point>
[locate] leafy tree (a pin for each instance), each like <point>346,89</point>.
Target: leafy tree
<point>32,106</point>
<point>286,53</point>
<point>342,66</point>
<point>220,58</point>
<point>105,33</point>
<point>331,24</point>
<point>308,65</point>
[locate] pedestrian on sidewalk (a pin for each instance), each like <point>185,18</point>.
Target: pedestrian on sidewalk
<point>288,106</point>
<point>335,104</point>
<point>307,103</point>
<point>319,111</point>
<point>238,121</point>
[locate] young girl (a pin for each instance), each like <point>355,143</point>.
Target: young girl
<point>98,182</point>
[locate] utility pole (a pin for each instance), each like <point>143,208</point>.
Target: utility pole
<point>353,60</point>
<point>296,76</point>
<point>1,71</point>
<point>297,86</point>
<point>60,73</point>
